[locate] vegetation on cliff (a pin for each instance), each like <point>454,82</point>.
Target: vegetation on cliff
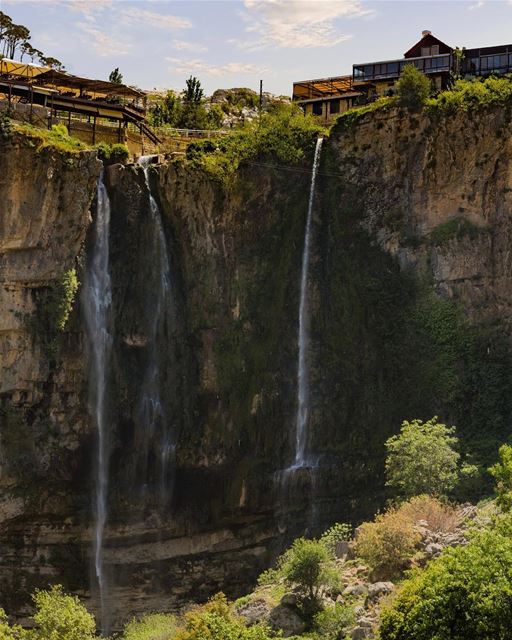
<point>283,135</point>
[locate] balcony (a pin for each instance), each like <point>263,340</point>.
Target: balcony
<point>391,69</point>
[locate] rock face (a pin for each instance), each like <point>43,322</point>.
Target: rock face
<point>410,298</point>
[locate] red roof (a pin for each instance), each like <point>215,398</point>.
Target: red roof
<point>427,41</point>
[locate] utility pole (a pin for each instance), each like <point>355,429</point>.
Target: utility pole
<point>261,99</point>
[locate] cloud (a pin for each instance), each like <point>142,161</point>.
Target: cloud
<point>200,67</point>
<point>184,45</point>
<point>103,43</point>
<point>298,23</point>
<point>154,19</point>
<point>477,5</point>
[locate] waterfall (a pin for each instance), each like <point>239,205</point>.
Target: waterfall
<point>96,301</point>
<point>302,417</point>
<point>152,409</point>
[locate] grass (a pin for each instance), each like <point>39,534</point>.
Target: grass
<point>57,137</point>
<point>457,228</point>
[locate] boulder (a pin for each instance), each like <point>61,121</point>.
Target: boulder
<point>359,633</point>
<point>379,589</point>
<point>433,549</point>
<point>287,620</point>
<point>255,611</point>
<point>359,589</point>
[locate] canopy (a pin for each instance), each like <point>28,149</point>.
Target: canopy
<point>321,87</point>
<point>20,69</point>
<point>66,80</point>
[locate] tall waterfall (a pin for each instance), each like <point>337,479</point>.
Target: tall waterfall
<point>152,409</point>
<point>303,372</point>
<point>96,301</point>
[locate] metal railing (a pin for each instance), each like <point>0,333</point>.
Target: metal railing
<point>189,133</point>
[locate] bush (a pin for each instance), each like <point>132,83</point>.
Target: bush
<point>387,543</point>
<point>112,153</point>
<point>153,626</point>
<point>333,623</point>
<point>413,88</point>
<point>308,566</point>
<point>440,516</point>
<point>502,473</point>
<point>422,459</point>
<point>283,136</point>
<point>215,621</point>
<point>6,631</point>
<point>467,95</point>
<point>465,594</point>
<point>337,533</point>
<point>61,617</point>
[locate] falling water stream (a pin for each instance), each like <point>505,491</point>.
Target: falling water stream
<point>96,300</point>
<point>302,418</point>
<point>152,409</point>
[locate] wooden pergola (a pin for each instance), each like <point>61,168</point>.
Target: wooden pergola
<point>321,88</point>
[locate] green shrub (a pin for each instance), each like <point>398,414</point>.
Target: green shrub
<point>413,88</point>
<point>112,153</point>
<point>457,228</point>
<point>216,621</point>
<point>61,617</point>
<point>332,623</point>
<point>153,626</point>
<point>422,459</point>
<point>502,473</point>
<point>465,594</point>
<point>58,137</point>
<point>307,567</point>
<point>6,631</point>
<point>388,543</point>
<point>467,95</point>
<point>284,136</point>
<point>337,533</point>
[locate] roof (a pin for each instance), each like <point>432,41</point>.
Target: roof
<point>61,79</point>
<point>322,86</point>
<point>427,41</point>
<point>20,69</point>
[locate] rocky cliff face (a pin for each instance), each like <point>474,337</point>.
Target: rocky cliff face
<point>410,312</point>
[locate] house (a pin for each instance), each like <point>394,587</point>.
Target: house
<point>328,97</point>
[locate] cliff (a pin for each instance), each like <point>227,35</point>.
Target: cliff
<point>410,296</point>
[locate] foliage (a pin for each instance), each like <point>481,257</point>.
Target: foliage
<point>6,631</point>
<point>465,594</point>
<point>116,76</point>
<point>5,126</point>
<point>332,623</point>
<point>468,95</point>
<point>268,577</point>
<point>422,458</point>
<point>284,135</point>
<point>502,473</point>
<point>413,88</point>
<point>308,566</point>
<point>216,621</point>
<point>15,37</point>
<point>153,626</point>
<point>112,153</point>
<point>54,305</point>
<point>337,533</point>
<point>457,228</point>
<point>61,617</point>
<point>165,111</point>
<point>440,516</point>
<point>57,138</point>
<point>387,543</point>
<point>353,116</point>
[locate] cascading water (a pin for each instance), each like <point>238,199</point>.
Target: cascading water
<point>152,409</point>
<point>301,421</point>
<point>96,301</point>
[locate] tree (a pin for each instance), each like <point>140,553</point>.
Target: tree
<point>116,76</point>
<point>14,35</point>
<point>422,458</point>
<point>502,473</point>
<point>53,63</point>
<point>307,566</point>
<point>193,91</point>
<point>413,88</point>
<point>61,617</point>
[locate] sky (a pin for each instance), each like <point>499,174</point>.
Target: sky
<point>157,44</point>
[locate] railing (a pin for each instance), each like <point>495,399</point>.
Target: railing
<point>172,132</point>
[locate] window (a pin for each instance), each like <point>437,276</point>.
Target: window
<point>435,49</point>
<point>425,51</point>
<point>334,106</point>
<point>317,108</point>
<point>393,68</point>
